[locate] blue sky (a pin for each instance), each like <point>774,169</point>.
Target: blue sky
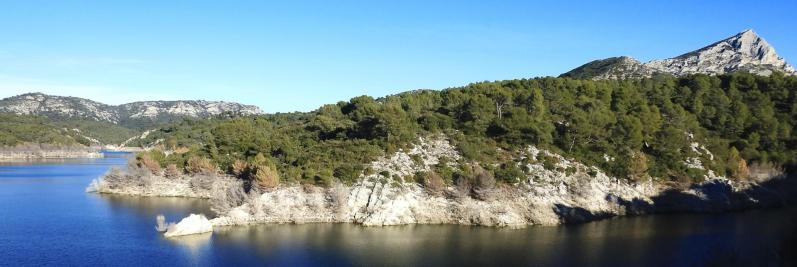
<point>297,55</point>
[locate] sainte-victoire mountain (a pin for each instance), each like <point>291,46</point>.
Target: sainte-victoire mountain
<point>743,52</point>
<point>136,113</point>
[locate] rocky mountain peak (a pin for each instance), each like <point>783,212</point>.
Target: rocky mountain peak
<point>745,51</point>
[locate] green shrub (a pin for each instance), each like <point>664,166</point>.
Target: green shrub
<point>509,173</point>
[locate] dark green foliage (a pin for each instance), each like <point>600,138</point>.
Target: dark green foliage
<point>105,132</point>
<point>509,173</point>
<point>649,120</point>
<point>593,68</point>
<point>19,130</point>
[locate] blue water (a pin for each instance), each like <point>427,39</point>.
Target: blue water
<point>47,218</point>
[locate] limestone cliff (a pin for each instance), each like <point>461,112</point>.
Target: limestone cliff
<point>546,196</point>
<point>743,52</point>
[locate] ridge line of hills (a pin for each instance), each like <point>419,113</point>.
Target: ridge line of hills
<point>89,122</point>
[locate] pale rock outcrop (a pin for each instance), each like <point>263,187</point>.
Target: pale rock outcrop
<point>191,225</point>
<point>745,51</point>
<point>544,197</point>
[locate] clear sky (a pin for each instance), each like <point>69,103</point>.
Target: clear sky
<point>298,55</point>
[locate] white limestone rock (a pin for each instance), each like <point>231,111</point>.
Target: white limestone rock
<point>191,225</point>
<point>745,51</point>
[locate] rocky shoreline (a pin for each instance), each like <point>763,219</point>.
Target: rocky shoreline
<point>13,154</point>
<point>545,197</point>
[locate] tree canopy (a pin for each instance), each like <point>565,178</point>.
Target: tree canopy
<point>647,126</point>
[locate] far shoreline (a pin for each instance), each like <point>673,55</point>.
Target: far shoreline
<point>11,154</point>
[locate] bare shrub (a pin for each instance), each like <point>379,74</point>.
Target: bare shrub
<point>338,195</point>
<point>483,178</point>
<point>143,180</point>
<point>201,182</point>
<point>172,171</point>
<point>115,178</point>
<point>200,165</point>
<point>223,201</point>
<point>475,181</point>
<point>181,150</point>
<point>433,182</point>
<point>134,176</point>
<point>464,186</point>
<point>146,161</point>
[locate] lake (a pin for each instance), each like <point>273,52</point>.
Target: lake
<point>47,218</point>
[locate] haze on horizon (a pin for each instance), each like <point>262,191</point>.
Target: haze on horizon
<point>295,57</point>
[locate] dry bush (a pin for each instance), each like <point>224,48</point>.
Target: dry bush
<point>476,182</point>
<point>200,165</point>
<point>483,178</point>
<point>150,164</point>
<point>181,150</point>
<point>638,167</point>
<point>115,178</point>
<point>266,177</point>
<point>741,171</point>
<point>338,195</point>
<point>223,201</point>
<point>134,176</point>
<point>310,188</point>
<point>433,182</point>
<point>464,186</point>
<point>240,169</point>
<point>172,171</point>
<point>201,182</point>
<point>143,180</point>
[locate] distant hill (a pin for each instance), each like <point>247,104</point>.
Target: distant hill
<point>743,52</point>
<point>83,121</point>
<point>136,115</point>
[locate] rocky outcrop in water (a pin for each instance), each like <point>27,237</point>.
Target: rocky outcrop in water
<point>743,52</point>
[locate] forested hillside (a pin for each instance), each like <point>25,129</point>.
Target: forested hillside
<point>104,132</point>
<point>635,129</point>
<point>19,130</point>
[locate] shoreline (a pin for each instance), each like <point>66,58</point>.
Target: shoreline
<point>377,203</point>
<point>543,196</point>
<point>11,155</point>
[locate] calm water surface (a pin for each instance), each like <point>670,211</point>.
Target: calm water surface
<point>46,218</point>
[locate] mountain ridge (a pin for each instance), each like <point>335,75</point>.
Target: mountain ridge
<point>135,113</point>
<point>743,52</point>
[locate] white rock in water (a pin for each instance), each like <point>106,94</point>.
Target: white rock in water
<point>193,224</point>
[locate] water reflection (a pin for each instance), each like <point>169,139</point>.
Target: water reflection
<point>661,240</point>
<point>152,206</point>
<point>664,240</point>
<point>195,246</point>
